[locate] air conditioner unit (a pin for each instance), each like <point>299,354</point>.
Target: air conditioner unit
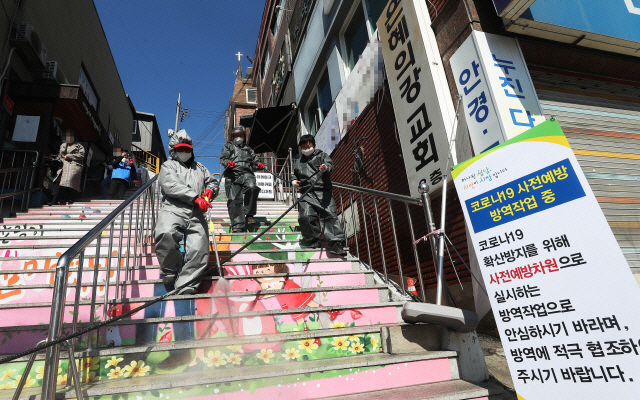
<point>26,39</point>
<point>53,72</point>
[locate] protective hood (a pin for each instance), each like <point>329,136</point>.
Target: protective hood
<point>180,137</point>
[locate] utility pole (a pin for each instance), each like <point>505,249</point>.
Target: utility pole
<point>177,113</point>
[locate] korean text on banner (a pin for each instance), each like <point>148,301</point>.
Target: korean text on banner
<point>421,99</point>
<point>499,101</point>
<point>561,290</point>
<point>265,183</point>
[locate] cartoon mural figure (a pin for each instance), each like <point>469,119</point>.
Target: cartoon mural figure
<point>288,300</point>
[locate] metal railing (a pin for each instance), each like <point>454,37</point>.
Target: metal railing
<point>284,191</point>
<point>17,172</point>
<point>354,214</point>
<point>146,159</point>
<point>143,225</point>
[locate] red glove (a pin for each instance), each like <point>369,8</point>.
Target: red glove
<point>260,165</point>
<point>203,204</point>
<point>231,164</point>
<point>208,194</point>
<point>322,167</point>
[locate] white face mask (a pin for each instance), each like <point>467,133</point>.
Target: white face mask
<point>308,152</point>
<point>184,157</point>
<point>238,141</point>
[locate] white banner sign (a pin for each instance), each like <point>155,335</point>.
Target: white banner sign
<point>562,293</point>
<point>26,129</point>
<point>499,101</point>
<point>421,99</point>
<point>265,183</point>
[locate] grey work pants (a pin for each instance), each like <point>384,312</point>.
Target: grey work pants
<point>242,198</point>
<point>170,230</point>
<point>320,204</point>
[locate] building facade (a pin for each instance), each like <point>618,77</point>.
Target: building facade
<point>583,73</point>
<point>57,67</point>
<point>243,103</point>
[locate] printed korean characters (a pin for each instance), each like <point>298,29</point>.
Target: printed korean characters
<point>423,109</point>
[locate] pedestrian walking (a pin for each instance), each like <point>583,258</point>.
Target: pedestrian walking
<point>240,185</point>
<point>66,185</point>
<point>122,174</point>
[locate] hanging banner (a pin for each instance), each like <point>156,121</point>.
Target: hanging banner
<point>561,290</point>
<point>421,99</point>
<point>265,183</point>
<point>499,101</point>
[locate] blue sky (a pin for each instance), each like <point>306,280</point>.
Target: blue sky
<point>163,47</point>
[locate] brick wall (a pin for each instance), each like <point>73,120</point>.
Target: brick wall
<point>374,131</point>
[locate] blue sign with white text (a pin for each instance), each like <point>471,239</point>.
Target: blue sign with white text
<point>541,190</point>
<point>615,18</point>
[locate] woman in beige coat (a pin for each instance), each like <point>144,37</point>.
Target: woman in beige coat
<point>67,182</point>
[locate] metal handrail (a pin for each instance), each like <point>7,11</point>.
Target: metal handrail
<point>62,270</point>
<point>386,195</point>
<point>24,176</point>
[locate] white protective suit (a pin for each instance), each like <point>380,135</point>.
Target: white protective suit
<point>180,218</point>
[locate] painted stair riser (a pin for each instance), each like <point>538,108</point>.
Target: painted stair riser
<point>266,323</point>
<point>270,251</point>
<point>13,281</point>
<point>30,295</point>
<point>311,385</point>
<point>38,315</point>
<point>211,357</point>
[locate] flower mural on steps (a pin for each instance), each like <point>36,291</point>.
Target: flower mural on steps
<point>236,348</point>
<point>8,385</point>
<point>356,348</point>
<point>340,343</point>
<point>7,374</point>
<point>116,372</point>
<point>136,368</point>
<point>234,358</point>
<point>114,361</point>
<point>215,359</point>
<point>308,344</point>
<point>30,381</point>
<point>62,379</point>
<point>291,354</point>
<point>265,355</point>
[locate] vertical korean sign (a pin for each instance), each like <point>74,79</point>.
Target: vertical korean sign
<point>562,292</point>
<point>499,101</point>
<point>421,99</point>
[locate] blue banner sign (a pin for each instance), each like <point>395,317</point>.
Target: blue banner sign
<point>541,190</point>
<point>614,18</point>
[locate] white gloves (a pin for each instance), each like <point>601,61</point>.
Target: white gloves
<point>295,184</point>
<point>124,160</point>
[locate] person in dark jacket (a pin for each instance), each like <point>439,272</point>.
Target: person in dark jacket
<point>319,202</point>
<point>123,173</point>
<point>240,184</point>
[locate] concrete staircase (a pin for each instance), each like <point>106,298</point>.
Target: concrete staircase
<point>333,329</point>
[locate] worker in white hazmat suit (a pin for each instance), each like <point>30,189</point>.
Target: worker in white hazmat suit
<point>187,187</point>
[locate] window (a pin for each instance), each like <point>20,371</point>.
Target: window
<point>252,95</point>
<point>314,117</point>
<point>280,10</point>
<point>325,100</point>
<point>356,37</point>
<point>374,10</point>
<point>265,64</point>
